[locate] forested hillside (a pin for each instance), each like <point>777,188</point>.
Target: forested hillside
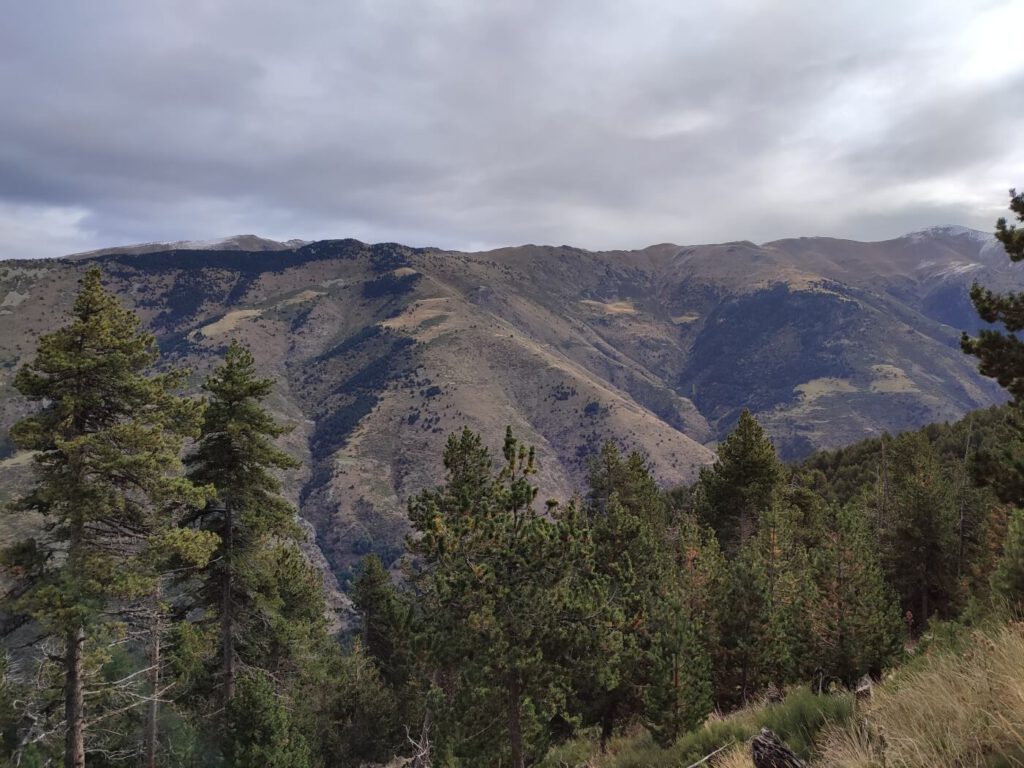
<point>194,630</point>
<point>158,608</point>
<point>378,352</point>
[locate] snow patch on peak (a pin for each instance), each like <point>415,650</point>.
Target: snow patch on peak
<point>237,242</point>
<point>954,230</point>
<point>232,243</point>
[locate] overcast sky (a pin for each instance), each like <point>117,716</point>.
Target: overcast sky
<point>478,123</point>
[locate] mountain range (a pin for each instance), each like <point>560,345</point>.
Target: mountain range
<point>380,351</point>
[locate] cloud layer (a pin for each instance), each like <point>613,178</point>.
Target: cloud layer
<point>468,124</point>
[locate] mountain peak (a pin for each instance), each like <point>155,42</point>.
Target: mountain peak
<point>230,243</point>
<point>950,230</point>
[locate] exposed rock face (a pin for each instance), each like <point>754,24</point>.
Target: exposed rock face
<point>380,351</point>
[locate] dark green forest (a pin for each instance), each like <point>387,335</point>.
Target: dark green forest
<point>163,613</point>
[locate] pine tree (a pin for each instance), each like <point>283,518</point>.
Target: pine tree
<point>740,486</point>
<point>918,537</point>
<point>107,437</point>
<point>1008,578</point>
<point>625,516</point>
<point>858,625</point>
<point>1001,353</point>
<point>352,717</point>
<point>266,598</point>
<point>782,568</point>
<point>505,593</point>
<point>678,698</point>
<point>260,730</point>
<point>685,624</point>
<point>767,633</point>
<point>386,621</point>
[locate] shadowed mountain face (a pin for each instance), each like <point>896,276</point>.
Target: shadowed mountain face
<point>380,351</point>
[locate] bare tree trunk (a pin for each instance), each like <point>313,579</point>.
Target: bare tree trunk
<point>151,735</point>
<point>515,726</point>
<point>74,700</point>
<point>227,639</point>
<point>963,504</point>
<point>422,757</point>
<point>881,514</point>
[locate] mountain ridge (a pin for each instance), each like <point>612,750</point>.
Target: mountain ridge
<point>252,242</point>
<point>380,350</point>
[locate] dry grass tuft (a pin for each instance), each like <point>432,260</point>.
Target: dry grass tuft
<point>962,707</point>
<point>735,758</point>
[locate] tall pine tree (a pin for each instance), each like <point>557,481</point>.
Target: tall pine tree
<point>107,436</point>
<point>858,628</point>
<point>386,621</point>
<point>625,514</point>
<point>266,599</point>
<point>917,535</point>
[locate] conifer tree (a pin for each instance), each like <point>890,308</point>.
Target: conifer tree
<point>349,715</point>
<point>625,515</point>
<point>678,698</point>
<point>686,620</point>
<point>698,581</point>
<point>1008,578</point>
<point>504,597</point>
<point>1000,353</point>
<point>740,486</point>
<point>386,623</point>
<point>107,437</point>
<point>918,536</point>
<point>266,599</point>
<point>858,625</point>
<point>260,729</point>
<point>766,630</point>
<point>782,569</point>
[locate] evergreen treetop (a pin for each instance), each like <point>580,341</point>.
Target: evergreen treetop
<point>740,485</point>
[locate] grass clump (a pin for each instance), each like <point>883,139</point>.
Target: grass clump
<point>962,704</point>
<point>798,720</point>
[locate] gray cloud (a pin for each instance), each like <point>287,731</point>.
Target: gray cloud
<point>460,124</point>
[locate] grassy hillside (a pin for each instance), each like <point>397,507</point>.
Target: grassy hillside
<point>799,719</point>
<point>958,701</point>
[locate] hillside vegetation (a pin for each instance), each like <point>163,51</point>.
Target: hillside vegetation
<point>159,607</point>
<point>379,352</point>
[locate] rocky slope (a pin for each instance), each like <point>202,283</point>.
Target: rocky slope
<point>381,350</point>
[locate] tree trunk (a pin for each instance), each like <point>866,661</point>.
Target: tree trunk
<point>74,700</point>
<point>151,735</point>
<point>227,639</point>
<point>422,758</point>
<point>963,503</point>
<point>515,726</point>
<point>607,727</point>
